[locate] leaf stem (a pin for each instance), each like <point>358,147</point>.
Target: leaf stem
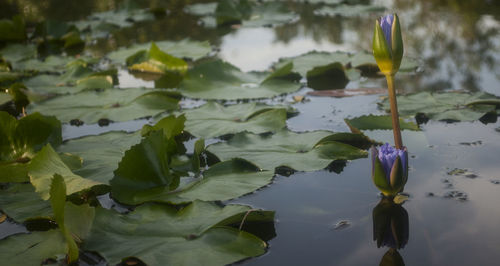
<point>394,112</point>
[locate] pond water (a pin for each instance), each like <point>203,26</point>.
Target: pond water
<point>325,217</point>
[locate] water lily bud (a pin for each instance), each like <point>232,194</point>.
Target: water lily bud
<point>388,44</point>
<point>390,224</point>
<point>392,258</point>
<point>389,169</point>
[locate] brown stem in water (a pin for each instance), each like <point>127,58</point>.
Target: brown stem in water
<point>394,112</point>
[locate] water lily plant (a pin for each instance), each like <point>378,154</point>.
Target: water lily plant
<point>389,164</point>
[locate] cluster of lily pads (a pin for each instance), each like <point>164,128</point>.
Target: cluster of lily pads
<point>169,181</point>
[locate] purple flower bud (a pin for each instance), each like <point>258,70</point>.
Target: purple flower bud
<point>388,154</point>
<point>386,25</point>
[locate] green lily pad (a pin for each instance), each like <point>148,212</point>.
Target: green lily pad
<point>299,151</point>
<point>213,120</point>
<point>374,122</point>
<point>76,79</point>
<point>246,13</point>
<point>160,234</point>
<point>5,98</point>
<point>24,137</point>
<point>188,49</point>
<point>101,154</point>
<point>348,10</point>
<point>45,164</point>
<point>450,106</point>
<point>18,52</point>
<point>155,61</point>
<point>35,247</point>
<point>20,202</point>
<point>52,63</point>
<point>220,80</point>
<point>112,104</point>
<point>12,30</point>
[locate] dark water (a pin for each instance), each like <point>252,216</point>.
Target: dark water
<point>325,218</point>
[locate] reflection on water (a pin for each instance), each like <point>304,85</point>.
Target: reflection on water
<point>458,42</point>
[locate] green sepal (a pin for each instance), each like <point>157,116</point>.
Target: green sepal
<point>381,50</point>
<point>396,44</point>
<point>379,178</point>
<point>397,181</point>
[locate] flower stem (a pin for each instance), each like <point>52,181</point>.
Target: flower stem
<point>394,112</point>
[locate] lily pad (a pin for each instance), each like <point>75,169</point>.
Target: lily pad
<point>449,106</point>
<point>12,30</point>
<point>374,122</point>
<point>20,202</point>
<point>162,235</point>
<point>348,10</point>
<point>24,137</point>
<point>101,154</point>
<point>187,49</point>
<point>47,163</point>
<point>35,247</point>
<point>308,151</point>
<point>18,52</point>
<point>213,120</point>
<point>112,104</point>
<point>75,79</point>
<point>155,61</point>
<point>219,80</point>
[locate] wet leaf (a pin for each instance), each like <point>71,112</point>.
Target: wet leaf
<point>34,247</point>
<point>348,10</point>
<point>155,61</point>
<point>20,202</point>
<point>213,120</point>
<point>101,154</point>
<point>112,104</point>
<point>299,151</point>
<point>45,164</point>
<point>145,174</point>
<point>159,233</point>
<point>449,106</point>
<point>220,80</point>
<point>189,49</point>
<point>12,30</point>
<point>374,122</point>
<point>21,139</point>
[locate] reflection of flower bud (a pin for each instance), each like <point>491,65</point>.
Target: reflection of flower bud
<point>390,224</point>
<point>389,169</point>
<point>388,44</point>
<point>392,258</point>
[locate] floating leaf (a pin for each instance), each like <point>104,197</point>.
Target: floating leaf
<point>160,234</point>
<point>112,104</point>
<point>348,92</point>
<point>374,122</point>
<point>17,52</point>
<point>47,163</point>
<point>155,61</point>
<point>213,120</point>
<point>20,202</point>
<point>101,154</point>
<point>53,64</point>
<point>35,247</point>
<point>450,106</point>
<point>299,151</point>
<point>331,76</point>
<point>12,30</point>
<point>201,9</point>
<point>348,10</point>
<point>193,50</point>
<point>219,80</point>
